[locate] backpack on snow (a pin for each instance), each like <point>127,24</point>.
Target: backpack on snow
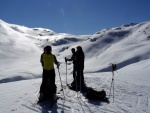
<point>96,95</point>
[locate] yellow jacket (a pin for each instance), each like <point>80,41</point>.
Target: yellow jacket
<point>48,61</point>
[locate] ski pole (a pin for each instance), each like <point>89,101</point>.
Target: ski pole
<point>61,87</point>
<point>80,91</point>
<point>66,73</point>
<point>80,80</point>
<point>114,67</point>
<point>66,70</point>
<point>113,86</point>
<point>76,86</point>
<point>61,83</point>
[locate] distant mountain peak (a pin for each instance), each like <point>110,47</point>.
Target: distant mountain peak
<point>130,24</point>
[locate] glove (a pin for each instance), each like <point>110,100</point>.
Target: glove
<point>65,59</point>
<point>114,67</point>
<point>58,64</point>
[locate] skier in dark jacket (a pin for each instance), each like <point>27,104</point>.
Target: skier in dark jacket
<point>48,87</point>
<point>73,58</point>
<point>80,67</point>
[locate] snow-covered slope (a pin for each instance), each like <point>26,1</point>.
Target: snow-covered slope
<point>127,46</point>
<point>121,46</point>
<point>21,47</point>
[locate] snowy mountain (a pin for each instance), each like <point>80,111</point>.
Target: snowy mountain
<point>127,46</point>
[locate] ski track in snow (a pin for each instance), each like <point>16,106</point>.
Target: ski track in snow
<point>126,91</point>
<point>129,98</point>
<point>142,105</point>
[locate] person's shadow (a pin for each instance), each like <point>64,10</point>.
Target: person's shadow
<point>46,107</point>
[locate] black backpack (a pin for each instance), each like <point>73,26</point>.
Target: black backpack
<point>96,95</point>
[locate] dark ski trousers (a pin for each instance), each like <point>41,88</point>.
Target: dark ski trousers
<point>80,77</point>
<point>74,75</point>
<point>48,82</point>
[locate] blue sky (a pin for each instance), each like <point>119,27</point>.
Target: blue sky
<point>74,16</point>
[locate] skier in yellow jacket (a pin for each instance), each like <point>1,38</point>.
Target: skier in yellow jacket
<point>48,87</point>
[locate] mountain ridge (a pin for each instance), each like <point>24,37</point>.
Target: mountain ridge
<point>122,45</point>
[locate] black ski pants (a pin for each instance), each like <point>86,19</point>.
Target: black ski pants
<point>48,82</point>
<point>80,77</point>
